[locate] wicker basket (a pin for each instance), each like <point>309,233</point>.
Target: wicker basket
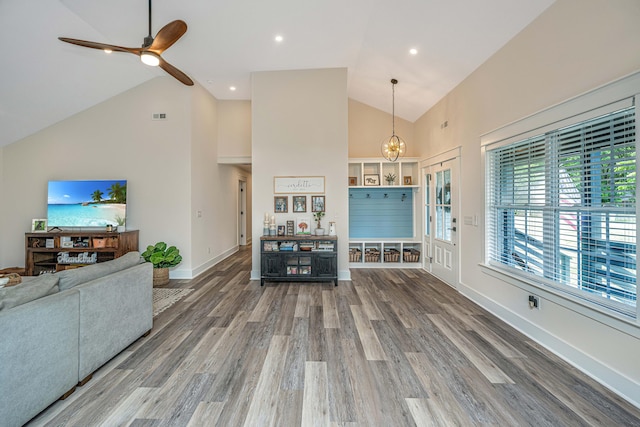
<point>14,279</point>
<point>355,255</point>
<point>391,255</point>
<point>160,276</point>
<point>372,255</point>
<point>411,255</point>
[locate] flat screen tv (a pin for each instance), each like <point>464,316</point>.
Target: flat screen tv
<point>86,203</point>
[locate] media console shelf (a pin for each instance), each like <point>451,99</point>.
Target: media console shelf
<point>56,251</point>
<point>299,259</point>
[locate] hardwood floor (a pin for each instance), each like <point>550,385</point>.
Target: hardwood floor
<point>390,348</point>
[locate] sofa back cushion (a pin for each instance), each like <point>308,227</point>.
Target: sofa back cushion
<point>76,276</point>
<point>30,290</point>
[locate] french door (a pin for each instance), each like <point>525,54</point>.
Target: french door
<point>441,221</point>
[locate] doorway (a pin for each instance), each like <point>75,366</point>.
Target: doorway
<point>441,220</point>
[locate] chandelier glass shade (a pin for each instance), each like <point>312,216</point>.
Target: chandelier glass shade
<point>393,147</point>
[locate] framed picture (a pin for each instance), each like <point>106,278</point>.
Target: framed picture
<point>290,227</point>
<point>407,180</point>
<point>298,184</point>
<point>353,181</point>
<point>299,203</point>
<point>372,179</point>
<point>317,204</point>
<point>281,230</point>
<point>38,225</point>
<point>303,226</point>
<point>281,204</point>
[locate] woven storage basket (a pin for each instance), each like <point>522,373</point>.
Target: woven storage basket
<point>372,255</point>
<point>411,255</point>
<point>391,255</point>
<point>14,279</point>
<point>160,276</point>
<point>355,255</point>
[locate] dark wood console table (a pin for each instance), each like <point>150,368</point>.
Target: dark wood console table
<point>299,259</point>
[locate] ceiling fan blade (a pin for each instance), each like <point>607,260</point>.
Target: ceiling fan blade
<point>101,46</point>
<point>182,77</point>
<point>168,35</point>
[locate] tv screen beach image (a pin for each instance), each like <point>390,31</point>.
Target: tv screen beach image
<point>86,203</point>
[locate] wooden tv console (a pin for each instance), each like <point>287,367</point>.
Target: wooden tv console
<point>59,250</point>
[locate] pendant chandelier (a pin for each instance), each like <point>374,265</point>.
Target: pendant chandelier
<point>393,147</point>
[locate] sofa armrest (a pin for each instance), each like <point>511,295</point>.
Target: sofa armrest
<point>38,355</point>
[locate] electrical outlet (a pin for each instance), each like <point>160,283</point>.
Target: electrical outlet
<point>534,302</point>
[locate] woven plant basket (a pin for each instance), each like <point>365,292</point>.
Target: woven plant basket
<point>160,276</point>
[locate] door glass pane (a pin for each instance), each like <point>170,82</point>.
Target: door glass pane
<point>443,205</point>
<point>427,207</point>
<point>447,223</point>
<point>439,223</point>
<point>438,188</point>
<point>447,187</point>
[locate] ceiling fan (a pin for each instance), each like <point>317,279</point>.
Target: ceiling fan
<point>151,48</point>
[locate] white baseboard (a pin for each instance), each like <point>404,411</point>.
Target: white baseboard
<point>193,273</point>
<point>605,375</point>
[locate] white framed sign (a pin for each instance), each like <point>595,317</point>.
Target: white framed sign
<point>298,184</point>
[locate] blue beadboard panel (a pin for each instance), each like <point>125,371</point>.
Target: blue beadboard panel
<point>380,213</point>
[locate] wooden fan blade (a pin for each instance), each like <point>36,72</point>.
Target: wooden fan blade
<point>175,72</point>
<point>101,46</point>
<point>168,35</point>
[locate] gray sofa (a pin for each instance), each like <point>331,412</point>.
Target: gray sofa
<point>57,329</point>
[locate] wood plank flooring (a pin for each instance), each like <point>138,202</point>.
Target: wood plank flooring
<point>390,348</point>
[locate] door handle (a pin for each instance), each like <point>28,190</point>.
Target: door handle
<point>452,228</point>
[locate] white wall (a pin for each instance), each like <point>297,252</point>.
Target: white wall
<point>368,126</point>
<point>574,46</point>
<point>234,129</point>
<point>299,128</point>
<point>170,167</point>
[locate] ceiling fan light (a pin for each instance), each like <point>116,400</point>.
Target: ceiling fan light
<point>150,58</point>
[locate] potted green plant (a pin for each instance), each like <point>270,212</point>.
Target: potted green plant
<point>162,257</point>
<point>390,178</point>
<point>318,217</point>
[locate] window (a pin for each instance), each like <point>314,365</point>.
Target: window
<point>561,209</point>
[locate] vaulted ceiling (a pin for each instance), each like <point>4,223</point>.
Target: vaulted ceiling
<point>44,80</point>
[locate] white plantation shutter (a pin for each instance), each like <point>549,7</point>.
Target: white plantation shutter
<point>561,209</point>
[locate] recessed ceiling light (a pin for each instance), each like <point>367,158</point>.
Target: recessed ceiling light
<point>232,88</point>
<point>107,51</point>
<point>279,38</point>
<point>413,51</point>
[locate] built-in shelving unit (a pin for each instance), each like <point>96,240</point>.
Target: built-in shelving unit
<point>393,247</point>
<point>405,171</point>
<point>384,253</point>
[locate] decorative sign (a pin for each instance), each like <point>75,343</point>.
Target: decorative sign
<point>298,184</point>
<point>83,258</point>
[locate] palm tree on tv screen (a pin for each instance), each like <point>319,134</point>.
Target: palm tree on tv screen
<point>96,196</point>
<point>118,192</point>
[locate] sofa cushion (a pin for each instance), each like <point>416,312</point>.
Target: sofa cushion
<point>76,276</point>
<point>30,290</point>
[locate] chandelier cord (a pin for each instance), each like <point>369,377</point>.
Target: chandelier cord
<point>393,107</point>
